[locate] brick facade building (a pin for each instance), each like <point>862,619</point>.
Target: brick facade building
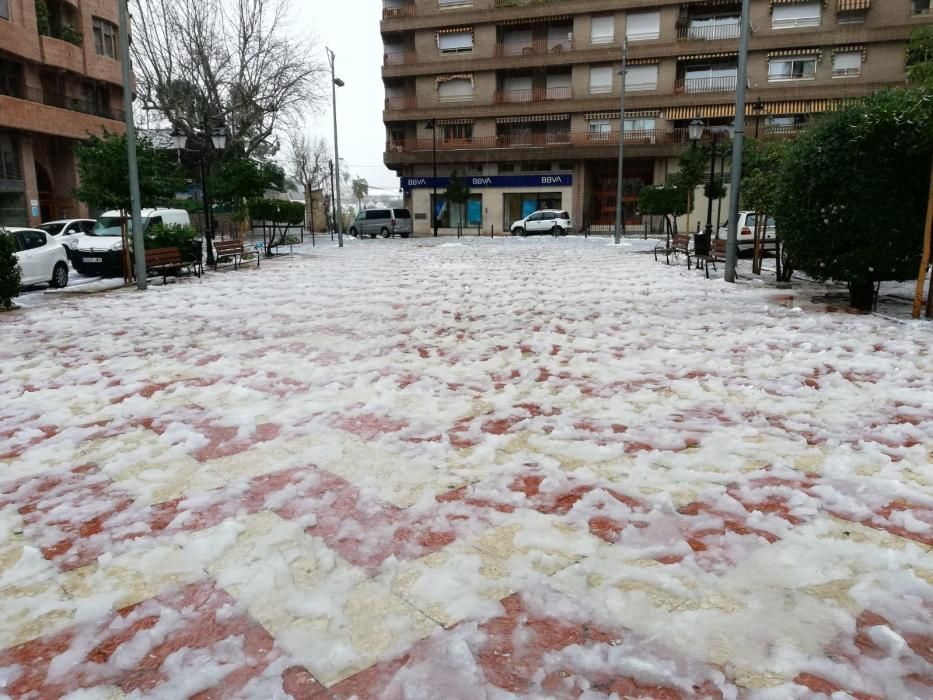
<point>60,79</point>
<point>525,93</point>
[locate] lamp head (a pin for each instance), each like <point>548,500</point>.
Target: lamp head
<point>695,130</point>
<point>338,82</point>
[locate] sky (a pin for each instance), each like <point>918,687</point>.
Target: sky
<point>351,30</point>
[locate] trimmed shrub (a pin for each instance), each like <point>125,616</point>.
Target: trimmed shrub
<point>10,276</point>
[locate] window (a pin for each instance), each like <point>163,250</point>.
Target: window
<point>599,129</point>
<point>105,38</point>
<point>791,69</point>
<point>458,132</point>
<point>455,90</point>
<point>798,14</point>
<point>706,78</point>
<point>454,3</point>
<point>922,7</point>
<point>559,38</point>
<point>716,27</point>
<point>600,80</point>
<point>10,167</point>
<point>4,9</point>
<point>639,124</point>
<point>603,29</point>
<point>455,42</point>
<point>847,64</point>
<point>506,167</point>
<point>31,240</point>
<point>641,78</point>
<point>642,25</point>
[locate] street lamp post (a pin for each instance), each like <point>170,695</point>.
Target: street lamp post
<point>432,127</point>
<point>333,201</point>
<point>758,108</point>
<point>708,232</point>
<point>336,83</point>
<point>218,139</point>
<point>620,193</point>
<point>135,205</point>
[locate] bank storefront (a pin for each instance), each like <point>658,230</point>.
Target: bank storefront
<point>495,201</point>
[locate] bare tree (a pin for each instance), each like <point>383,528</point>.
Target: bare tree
<point>230,64</point>
<point>308,159</point>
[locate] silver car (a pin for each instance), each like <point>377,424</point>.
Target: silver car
<point>382,222</point>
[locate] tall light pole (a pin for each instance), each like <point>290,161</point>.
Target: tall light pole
<point>713,149</point>
<point>432,127</point>
<point>738,142</point>
<point>336,83</point>
<point>620,221</point>
<point>139,245</point>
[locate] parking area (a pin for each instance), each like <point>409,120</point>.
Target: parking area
<point>547,467</point>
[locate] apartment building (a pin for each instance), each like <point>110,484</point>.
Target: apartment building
<point>524,95</point>
<point>60,79</point>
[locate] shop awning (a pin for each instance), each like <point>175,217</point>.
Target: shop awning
<point>702,56</point>
<point>853,5</point>
<point>449,122</point>
<point>536,20</point>
<point>533,118</point>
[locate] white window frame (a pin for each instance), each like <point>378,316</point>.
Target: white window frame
<point>640,124</point>
<point>851,71</point>
<point>601,88</point>
<point>446,4</point>
<point>779,78</point>
<point>602,29</point>
<point>792,15</point>
<point>917,8</point>
<point>465,45</point>
<point>636,85</point>
<point>637,29</point>
<point>599,129</point>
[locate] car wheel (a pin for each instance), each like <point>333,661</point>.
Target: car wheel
<point>385,233</point>
<point>518,232</point>
<point>353,232</point>
<point>405,235</point>
<point>59,276</point>
<point>555,231</point>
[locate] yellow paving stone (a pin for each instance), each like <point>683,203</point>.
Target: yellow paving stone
<point>31,610</point>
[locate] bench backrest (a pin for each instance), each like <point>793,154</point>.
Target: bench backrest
<point>718,248</point>
<point>163,256</point>
<point>682,240</point>
<point>228,247</point>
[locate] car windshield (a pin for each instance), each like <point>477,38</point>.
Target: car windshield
<point>110,226</point>
<point>52,229</point>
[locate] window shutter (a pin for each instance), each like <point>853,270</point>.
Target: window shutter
<point>458,89</point>
<point>641,78</point>
<point>603,29</point>
<point>559,80</point>
<point>601,79</point>
<point>640,26</point>
<point>848,61</point>
<point>459,41</point>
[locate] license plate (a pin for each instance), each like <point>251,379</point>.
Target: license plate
<point>93,260</point>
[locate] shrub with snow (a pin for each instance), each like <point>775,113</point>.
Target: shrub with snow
<point>10,276</point>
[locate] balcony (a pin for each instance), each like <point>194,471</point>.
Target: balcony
<point>524,3</point>
<point>398,11</point>
<point>581,139</point>
<point>533,47</point>
<point>532,95</point>
<point>402,102</point>
<point>713,32</point>
<point>693,86</point>
<point>399,58</point>
<point>21,91</point>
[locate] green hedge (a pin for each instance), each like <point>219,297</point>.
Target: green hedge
<point>10,277</point>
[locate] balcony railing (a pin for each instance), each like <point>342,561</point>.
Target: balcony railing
<point>19,90</point>
<point>404,102</point>
<point>699,85</point>
<point>399,58</point>
<point>533,95</point>
<point>524,3</point>
<point>534,47</point>
<point>399,12</point>
<point>709,33</point>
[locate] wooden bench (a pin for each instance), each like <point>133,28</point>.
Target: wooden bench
<point>680,243</point>
<point>164,260</point>
<point>232,249</point>
<point>717,253</point>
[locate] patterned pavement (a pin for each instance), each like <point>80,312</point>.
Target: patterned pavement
<point>512,468</point>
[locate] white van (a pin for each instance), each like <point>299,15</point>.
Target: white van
<point>100,252</point>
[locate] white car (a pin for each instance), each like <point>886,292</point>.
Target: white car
<point>68,231</point>
<point>553,221</point>
<point>100,252</point>
<point>42,260</point>
<point>746,232</point>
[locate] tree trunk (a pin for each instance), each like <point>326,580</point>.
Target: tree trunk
<point>862,295</point>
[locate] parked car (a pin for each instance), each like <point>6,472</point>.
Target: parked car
<point>68,231</point>
<point>100,252</point>
<point>553,221</point>
<point>41,258</point>
<point>384,222</point>
<point>746,232</point>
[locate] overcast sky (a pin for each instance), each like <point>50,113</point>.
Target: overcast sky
<point>351,29</point>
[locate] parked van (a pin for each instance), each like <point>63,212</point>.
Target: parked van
<point>100,252</point>
<point>382,222</point>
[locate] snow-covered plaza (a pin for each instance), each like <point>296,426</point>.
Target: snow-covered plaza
<point>543,468</point>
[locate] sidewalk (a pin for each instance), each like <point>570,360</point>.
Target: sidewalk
<point>537,468</point>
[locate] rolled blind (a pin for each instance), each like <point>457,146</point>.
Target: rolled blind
<point>601,79</point>
<point>603,29</point>
<point>641,78</point>
<point>643,25</point>
<point>455,42</point>
<point>850,60</point>
<point>457,89</point>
